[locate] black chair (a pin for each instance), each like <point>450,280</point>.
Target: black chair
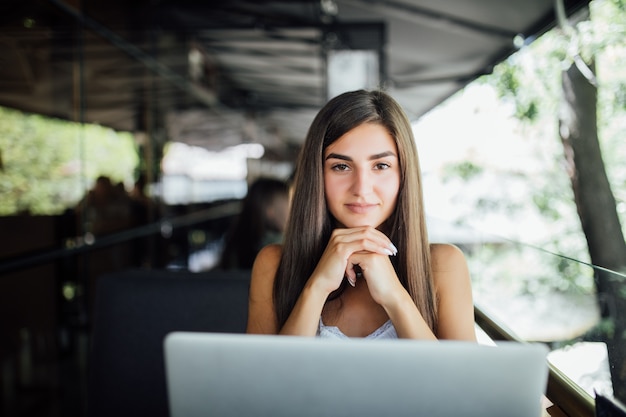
<point>133,312</point>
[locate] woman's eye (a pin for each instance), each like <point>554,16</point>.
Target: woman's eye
<point>382,166</point>
<point>340,167</point>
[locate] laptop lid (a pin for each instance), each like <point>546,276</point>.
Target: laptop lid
<point>217,374</point>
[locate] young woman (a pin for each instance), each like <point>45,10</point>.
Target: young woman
<point>356,261</point>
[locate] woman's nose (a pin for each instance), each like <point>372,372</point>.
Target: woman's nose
<point>362,184</point>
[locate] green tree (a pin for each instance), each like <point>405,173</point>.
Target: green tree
<point>556,79</point>
<point>46,164</point>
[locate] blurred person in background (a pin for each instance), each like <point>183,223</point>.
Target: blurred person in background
<point>262,221</point>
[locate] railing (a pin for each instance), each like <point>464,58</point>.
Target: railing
<point>561,390</point>
<point>82,245</point>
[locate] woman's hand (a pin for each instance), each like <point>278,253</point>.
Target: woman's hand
<point>338,259</point>
<point>382,281</point>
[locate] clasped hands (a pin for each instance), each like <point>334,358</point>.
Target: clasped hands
<point>359,252</point>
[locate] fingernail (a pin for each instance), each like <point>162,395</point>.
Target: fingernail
<point>393,249</point>
<point>351,281</point>
<point>388,252</point>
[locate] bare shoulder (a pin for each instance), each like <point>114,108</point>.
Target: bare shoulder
<point>268,258</point>
<point>265,266</point>
<point>261,316</point>
<point>271,251</point>
<point>449,265</point>
<point>445,256</point>
<point>453,285</point>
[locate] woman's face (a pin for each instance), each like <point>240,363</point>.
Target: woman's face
<point>362,176</point>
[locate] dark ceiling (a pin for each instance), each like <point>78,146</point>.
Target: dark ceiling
<point>220,73</point>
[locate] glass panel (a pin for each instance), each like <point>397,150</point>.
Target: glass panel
<point>549,298</point>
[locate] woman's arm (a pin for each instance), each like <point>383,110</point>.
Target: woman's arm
<point>304,318</point>
<point>454,290</point>
<point>261,313</point>
<point>407,319</point>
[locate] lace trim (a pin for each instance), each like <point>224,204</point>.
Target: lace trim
<point>386,330</point>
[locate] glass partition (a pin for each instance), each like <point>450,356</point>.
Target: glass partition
<point>550,298</point>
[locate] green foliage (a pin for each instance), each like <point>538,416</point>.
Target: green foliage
<point>545,203</point>
<point>529,82</point>
<point>512,269</point>
<point>465,170</point>
<point>605,329</point>
<point>620,97</point>
<point>529,79</point>
<point>47,163</point>
<point>618,5</point>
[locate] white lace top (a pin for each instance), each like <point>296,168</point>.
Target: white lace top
<point>386,331</point>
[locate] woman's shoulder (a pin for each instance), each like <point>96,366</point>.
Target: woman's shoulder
<point>270,253</point>
<point>448,262</point>
<point>445,252</point>
<point>266,262</point>
<point>262,318</point>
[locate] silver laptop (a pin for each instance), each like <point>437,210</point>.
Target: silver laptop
<point>217,374</point>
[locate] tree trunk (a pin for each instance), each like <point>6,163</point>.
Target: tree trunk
<point>597,213</point>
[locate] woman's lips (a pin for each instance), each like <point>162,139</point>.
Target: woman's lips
<point>361,208</point>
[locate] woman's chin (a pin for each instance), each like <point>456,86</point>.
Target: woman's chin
<point>351,224</point>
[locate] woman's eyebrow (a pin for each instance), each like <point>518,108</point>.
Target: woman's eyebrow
<point>371,158</point>
<point>382,155</point>
<point>338,156</point>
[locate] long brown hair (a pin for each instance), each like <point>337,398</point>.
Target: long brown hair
<point>310,223</point>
